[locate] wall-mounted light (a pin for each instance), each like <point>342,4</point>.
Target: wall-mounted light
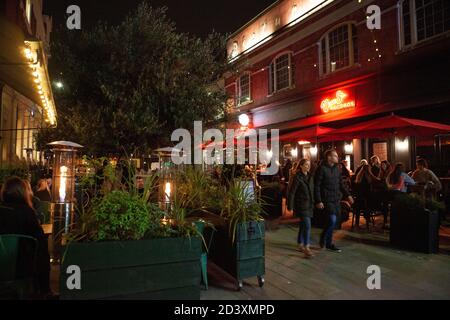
<point>294,152</point>
<point>402,144</point>
<point>303,142</point>
<point>348,148</point>
<point>244,120</point>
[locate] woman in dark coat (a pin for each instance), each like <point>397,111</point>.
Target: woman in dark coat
<point>17,216</point>
<point>301,200</point>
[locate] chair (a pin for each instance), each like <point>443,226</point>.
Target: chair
<point>200,225</point>
<point>10,285</point>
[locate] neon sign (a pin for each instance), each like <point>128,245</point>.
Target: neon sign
<point>337,103</point>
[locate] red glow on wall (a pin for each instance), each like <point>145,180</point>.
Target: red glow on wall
<point>339,102</point>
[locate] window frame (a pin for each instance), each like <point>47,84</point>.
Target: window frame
<point>413,26</point>
<point>239,101</point>
<point>351,48</point>
<point>272,73</point>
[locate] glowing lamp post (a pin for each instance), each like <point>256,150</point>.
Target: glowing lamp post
<point>63,195</point>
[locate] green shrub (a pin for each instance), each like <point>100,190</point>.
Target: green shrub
<point>120,215</point>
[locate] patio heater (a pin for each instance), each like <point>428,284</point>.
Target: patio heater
<point>63,195</point>
<point>166,177</point>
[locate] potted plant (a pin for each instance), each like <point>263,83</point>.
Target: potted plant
<point>128,248</point>
<point>415,223</point>
<point>238,244</point>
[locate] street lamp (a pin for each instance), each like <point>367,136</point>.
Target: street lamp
<point>59,84</point>
<point>63,185</point>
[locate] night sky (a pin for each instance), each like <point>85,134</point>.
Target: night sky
<point>197,17</point>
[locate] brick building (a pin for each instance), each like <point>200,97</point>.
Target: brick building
<point>297,54</point>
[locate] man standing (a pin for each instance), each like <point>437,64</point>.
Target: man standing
<point>328,191</point>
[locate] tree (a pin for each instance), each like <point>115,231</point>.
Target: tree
<point>127,87</point>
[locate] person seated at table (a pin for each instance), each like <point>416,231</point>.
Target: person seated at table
<point>423,175</point>
<point>385,170</point>
<point>17,216</point>
<point>398,180</point>
<point>43,191</point>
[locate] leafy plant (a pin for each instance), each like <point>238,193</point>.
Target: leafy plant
<point>412,202</point>
<point>240,205</point>
<point>427,203</point>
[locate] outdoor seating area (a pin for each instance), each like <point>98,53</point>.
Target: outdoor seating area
<point>179,152</point>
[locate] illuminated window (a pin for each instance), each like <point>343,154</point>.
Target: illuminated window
<point>243,89</point>
<point>28,10</point>
<point>338,49</point>
<point>424,19</point>
<point>280,73</point>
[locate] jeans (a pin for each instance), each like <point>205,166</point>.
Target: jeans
<point>304,231</point>
<point>331,210</point>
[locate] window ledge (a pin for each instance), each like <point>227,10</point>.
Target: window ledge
<point>347,68</point>
<point>281,90</point>
<point>244,103</point>
<point>423,43</point>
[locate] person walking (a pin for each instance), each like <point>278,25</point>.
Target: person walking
<point>329,190</point>
<point>301,201</point>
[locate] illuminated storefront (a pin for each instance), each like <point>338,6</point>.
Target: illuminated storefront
<point>329,70</point>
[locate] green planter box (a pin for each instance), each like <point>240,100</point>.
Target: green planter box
<point>166,269</point>
<point>415,229</point>
<point>245,257</point>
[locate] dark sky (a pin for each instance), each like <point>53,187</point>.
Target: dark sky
<point>194,16</point>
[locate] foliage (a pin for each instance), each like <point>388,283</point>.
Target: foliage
<point>121,215</point>
<point>412,202</point>
<point>199,189</point>
<point>20,171</point>
<point>240,205</point>
<point>130,85</point>
<point>123,210</point>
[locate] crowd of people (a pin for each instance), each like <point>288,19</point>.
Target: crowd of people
<point>20,214</point>
<point>326,184</point>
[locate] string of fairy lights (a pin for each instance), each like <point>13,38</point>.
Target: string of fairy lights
<point>39,74</point>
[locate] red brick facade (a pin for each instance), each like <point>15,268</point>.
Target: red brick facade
<point>386,77</point>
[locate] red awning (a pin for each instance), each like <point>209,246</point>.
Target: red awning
<point>307,134</point>
<point>386,127</point>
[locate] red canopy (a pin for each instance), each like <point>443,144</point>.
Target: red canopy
<point>307,134</point>
<point>387,126</point>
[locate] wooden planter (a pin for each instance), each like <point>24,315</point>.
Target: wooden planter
<point>166,269</point>
<point>245,257</point>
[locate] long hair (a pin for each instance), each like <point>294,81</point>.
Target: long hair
<point>385,172</point>
<point>16,190</point>
<point>42,185</point>
<point>394,176</point>
<point>364,172</point>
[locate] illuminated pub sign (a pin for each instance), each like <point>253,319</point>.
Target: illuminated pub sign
<point>341,100</point>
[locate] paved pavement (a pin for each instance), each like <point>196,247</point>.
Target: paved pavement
<point>404,275</point>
